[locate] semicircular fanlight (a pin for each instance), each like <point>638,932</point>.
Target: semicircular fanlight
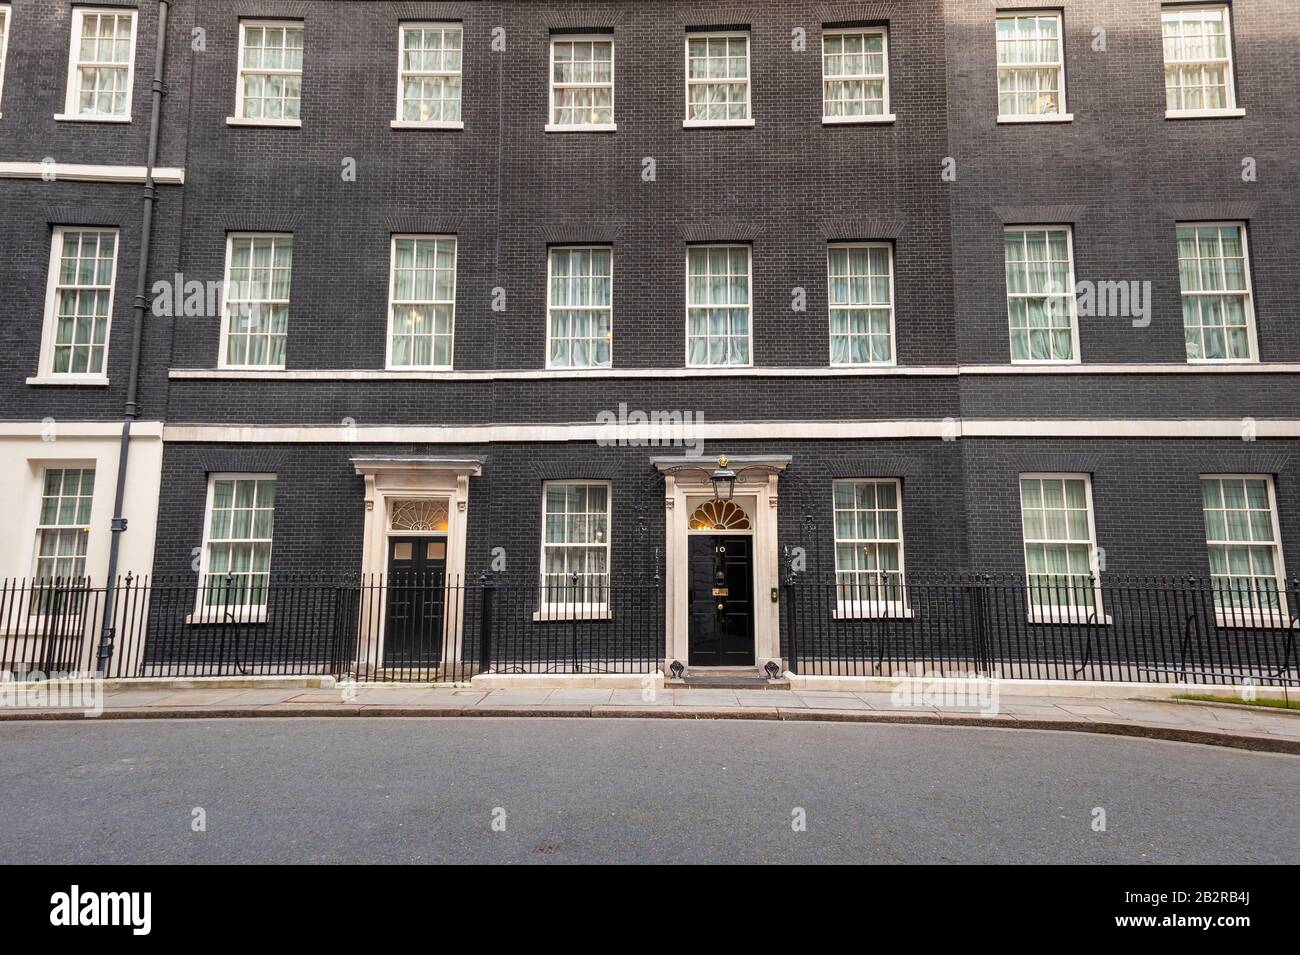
<point>718,515</point>
<point>419,516</point>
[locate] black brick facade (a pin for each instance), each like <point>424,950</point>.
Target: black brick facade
<point>1119,173</point>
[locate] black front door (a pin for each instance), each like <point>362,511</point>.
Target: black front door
<point>417,570</point>
<point>721,595</point>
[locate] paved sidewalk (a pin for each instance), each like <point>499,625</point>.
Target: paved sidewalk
<point>1221,724</point>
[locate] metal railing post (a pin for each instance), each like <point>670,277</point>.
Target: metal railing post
<point>487,590</point>
<point>791,640</point>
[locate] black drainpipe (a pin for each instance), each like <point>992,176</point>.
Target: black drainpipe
<point>139,308</point>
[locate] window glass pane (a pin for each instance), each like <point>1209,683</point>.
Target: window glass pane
<point>1240,542</point>
<point>82,301</point>
<point>270,71</point>
<point>575,543</point>
<point>868,543</point>
<point>1217,309</point>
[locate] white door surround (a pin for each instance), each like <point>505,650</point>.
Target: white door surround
<point>391,480</point>
<point>756,493</point>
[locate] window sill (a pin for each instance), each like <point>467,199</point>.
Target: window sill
<point>280,123</point>
<point>1204,113</point>
<point>592,128</point>
<point>1068,615</point>
<point>69,381</point>
<point>884,118</point>
<point>1045,363</point>
<point>562,614</point>
<point>425,124</point>
<point>716,123</point>
<point>251,368</point>
<point>711,368</point>
<point>416,368</point>
<point>1223,361</point>
<point>1254,620</point>
<point>72,118</point>
<point>871,611</point>
<point>1045,118</point>
<point>216,616</point>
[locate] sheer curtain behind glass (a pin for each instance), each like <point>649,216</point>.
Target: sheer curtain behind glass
<point>718,305</point>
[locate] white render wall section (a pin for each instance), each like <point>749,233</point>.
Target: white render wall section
<point>27,448</point>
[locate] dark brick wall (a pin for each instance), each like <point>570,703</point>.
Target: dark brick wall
<point>961,510</point>
<point>1146,497</point>
<point>35,84</point>
<point>507,188</point>
<point>1124,173</point>
<point>35,88</point>
<point>319,499</point>
<point>31,209</point>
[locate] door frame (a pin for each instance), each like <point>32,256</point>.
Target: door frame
<point>389,479</point>
<point>683,492</point>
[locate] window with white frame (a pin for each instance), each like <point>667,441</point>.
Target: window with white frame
<point>422,313</point>
<point>1214,272</point>
<point>855,75</point>
<point>575,545</point>
<point>63,527</point>
<point>717,79</point>
<point>717,305</point>
<point>1031,66</point>
<point>582,83</point>
<point>79,302</point>
<point>1040,294</point>
<point>101,64</point>
<point>239,519</point>
<point>861,296</point>
<point>580,307</point>
<point>1056,518</point>
<point>4,45</point>
<point>868,545</point>
<point>429,74</point>
<point>1242,538</point>
<point>255,308</point>
<point>1198,60</point>
<point>270,72</point>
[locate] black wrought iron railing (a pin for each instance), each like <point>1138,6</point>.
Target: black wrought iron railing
<point>1142,630</point>
<point>409,628</point>
<point>403,628</point>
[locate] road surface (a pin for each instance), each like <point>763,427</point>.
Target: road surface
<point>622,790</point>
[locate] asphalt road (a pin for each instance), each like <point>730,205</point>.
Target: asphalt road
<point>591,790</point>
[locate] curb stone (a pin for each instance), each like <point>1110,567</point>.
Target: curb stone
<point>1245,741</point>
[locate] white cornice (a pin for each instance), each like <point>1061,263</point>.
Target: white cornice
<point>85,172</point>
<point>786,371</point>
<point>636,435</point>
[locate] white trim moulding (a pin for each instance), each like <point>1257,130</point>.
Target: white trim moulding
<point>822,371</point>
<point>734,431</point>
<point>85,172</point>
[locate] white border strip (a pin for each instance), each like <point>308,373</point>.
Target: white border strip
<point>949,429</point>
<point>82,172</point>
<point>363,374</point>
<point>78,429</point>
<point>796,371</point>
<point>1156,368</point>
